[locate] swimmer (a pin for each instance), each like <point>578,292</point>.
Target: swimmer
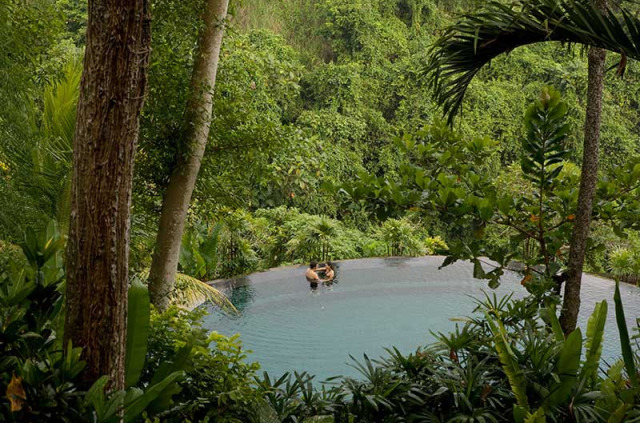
<point>312,275</point>
<point>329,273</point>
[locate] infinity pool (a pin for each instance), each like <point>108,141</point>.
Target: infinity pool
<point>376,303</point>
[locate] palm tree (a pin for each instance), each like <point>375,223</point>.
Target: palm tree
<point>401,238</point>
<point>467,46</point>
<point>313,241</point>
<point>588,182</point>
<point>325,230</point>
<point>476,39</point>
<point>620,263</point>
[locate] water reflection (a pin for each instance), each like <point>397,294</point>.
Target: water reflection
<point>241,297</point>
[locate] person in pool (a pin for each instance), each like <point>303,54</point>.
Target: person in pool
<point>312,274</point>
<point>329,273</point>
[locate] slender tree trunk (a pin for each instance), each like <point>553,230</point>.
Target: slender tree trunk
<point>183,178</point>
<point>586,194</point>
<point>111,97</point>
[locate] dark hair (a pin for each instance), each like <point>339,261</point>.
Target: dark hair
<point>330,265</point>
<point>313,265</point>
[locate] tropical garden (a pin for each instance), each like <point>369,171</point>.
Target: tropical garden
<point>148,147</point>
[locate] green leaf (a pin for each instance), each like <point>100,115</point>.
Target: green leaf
<point>478,271</point>
<point>567,368</point>
<point>140,403</point>
<point>618,416</point>
<point>595,334</point>
<point>96,397</point>
<point>625,343</point>
<point>520,414</point>
<point>537,417</point>
<point>137,331</point>
<point>510,366</point>
<point>551,318</point>
<point>177,363</point>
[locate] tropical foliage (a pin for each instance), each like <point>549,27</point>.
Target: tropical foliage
<point>41,377</point>
<point>236,242</point>
<point>326,144</point>
<point>490,32</point>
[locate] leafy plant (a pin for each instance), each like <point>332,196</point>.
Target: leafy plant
<point>464,48</point>
<point>401,238</point>
<point>127,405</point>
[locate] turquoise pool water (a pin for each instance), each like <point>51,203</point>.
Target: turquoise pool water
<point>376,303</point>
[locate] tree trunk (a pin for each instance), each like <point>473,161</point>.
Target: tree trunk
<point>586,194</point>
<point>183,178</point>
<point>111,97</point>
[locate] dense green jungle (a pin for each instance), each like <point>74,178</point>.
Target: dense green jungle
<point>325,140</point>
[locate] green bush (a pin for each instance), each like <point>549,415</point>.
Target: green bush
<point>41,379</point>
<point>10,254</point>
<point>218,383</point>
<point>39,376</point>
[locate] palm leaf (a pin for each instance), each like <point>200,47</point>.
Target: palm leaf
<point>60,104</point>
<point>40,162</point>
<point>190,292</point>
<point>465,47</point>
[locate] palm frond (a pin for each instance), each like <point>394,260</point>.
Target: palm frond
<point>60,104</point>
<point>465,47</point>
<point>40,162</point>
<point>59,123</point>
<point>190,292</point>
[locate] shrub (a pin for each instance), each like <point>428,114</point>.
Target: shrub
<point>10,253</point>
<point>218,382</point>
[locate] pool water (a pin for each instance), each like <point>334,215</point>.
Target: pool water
<point>376,303</point>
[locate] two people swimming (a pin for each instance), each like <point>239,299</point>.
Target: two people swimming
<point>312,273</point>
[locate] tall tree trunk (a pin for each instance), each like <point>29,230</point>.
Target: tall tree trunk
<point>111,97</point>
<point>183,178</point>
<point>586,194</point>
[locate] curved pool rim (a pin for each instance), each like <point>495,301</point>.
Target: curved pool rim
<point>288,281</point>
